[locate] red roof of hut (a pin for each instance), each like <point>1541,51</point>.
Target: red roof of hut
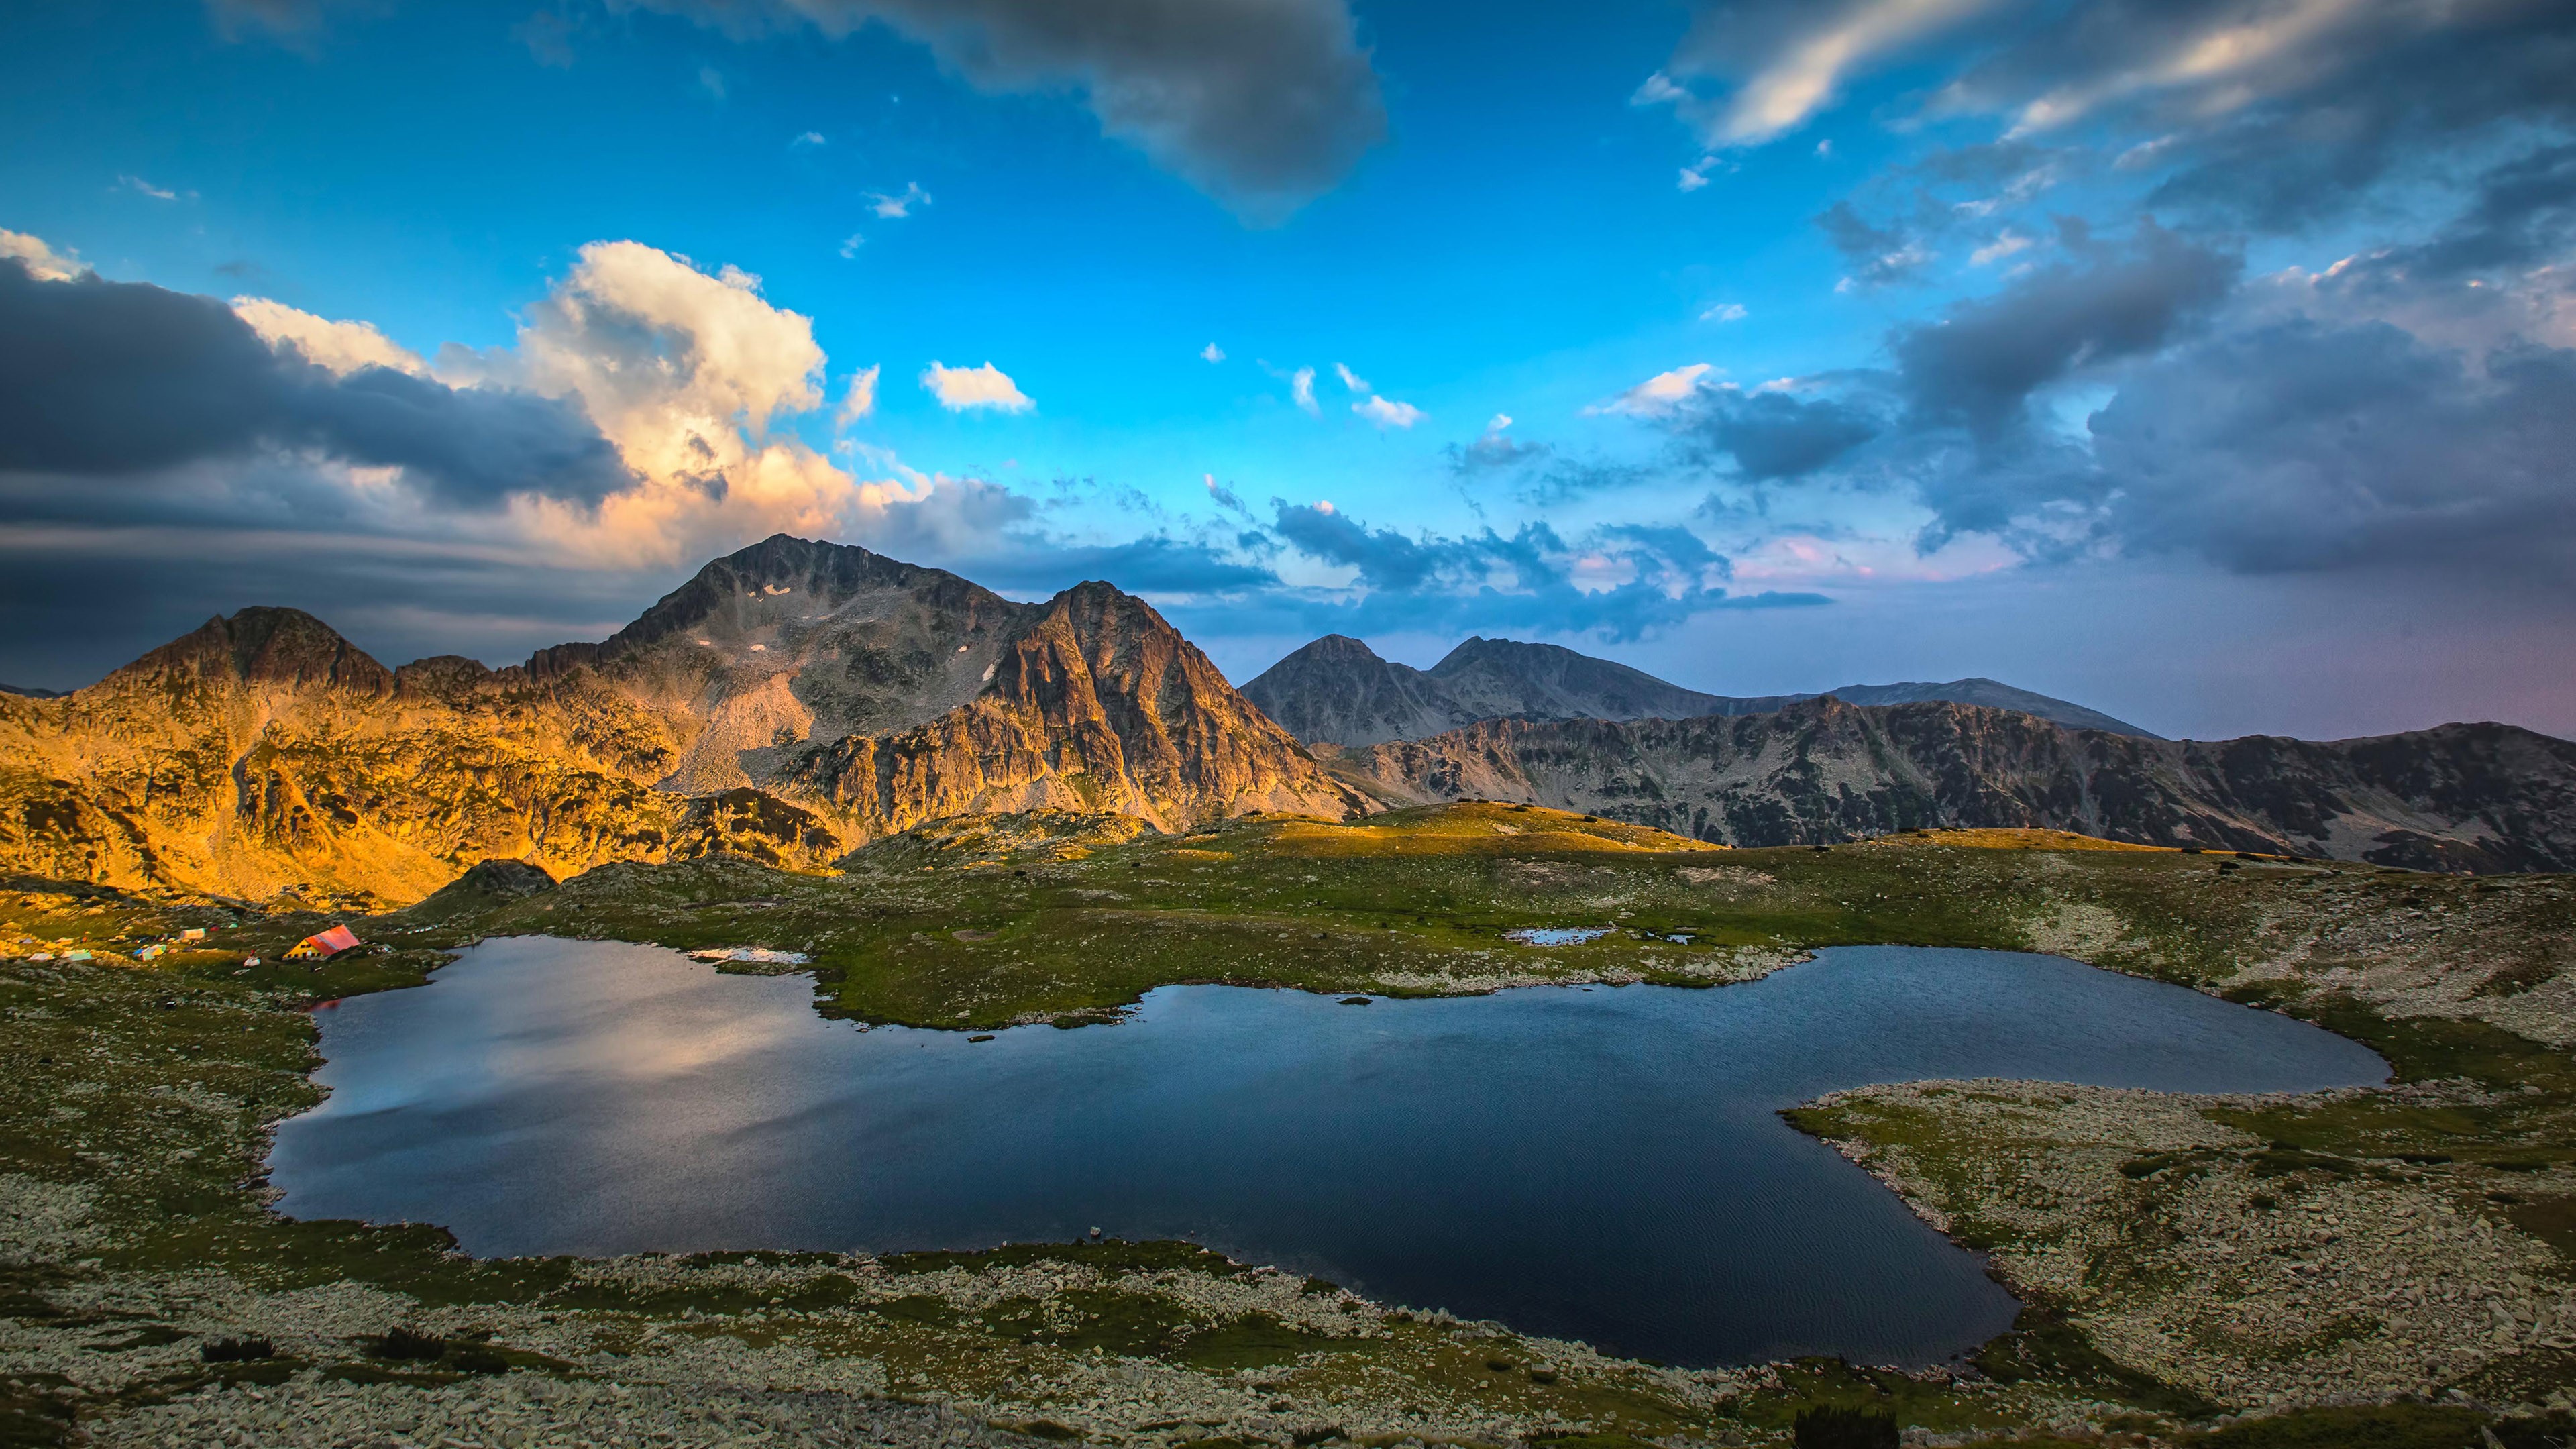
<point>331,942</point>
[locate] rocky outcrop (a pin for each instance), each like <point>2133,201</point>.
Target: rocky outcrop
<point>790,702</point>
<point>1099,706</point>
<point>1337,691</point>
<point>2478,797</point>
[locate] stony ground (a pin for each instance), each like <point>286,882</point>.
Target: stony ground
<point>2186,1259</point>
<point>2198,1253</point>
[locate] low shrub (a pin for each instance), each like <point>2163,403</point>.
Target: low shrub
<point>403,1343</point>
<point>236,1350</point>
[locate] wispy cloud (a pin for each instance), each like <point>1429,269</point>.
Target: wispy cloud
<point>1350,379</point>
<point>2004,245</point>
<point>896,206</point>
<point>1301,390</point>
<point>1225,498</point>
<point>141,187</point>
<point>860,400</point>
<point>1724,312</point>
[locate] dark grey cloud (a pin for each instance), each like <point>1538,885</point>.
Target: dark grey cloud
<point>2304,132</point>
<point>1227,499</point>
<point>1774,435</point>
<point>1878,255</point>
<point>2277,117</point>
<point>2523,214</point>
<point>1978,364</point>
<point>2306,445</point>
<point>1385,558</point>
<point>1264,104</point>
<point>116,378</point>
<point>1494,451</point>
<point>290,21</point>
<point>1527,579</point>
<point>1154,564</point>
<point>81,601</point>
<point>2272,443</point>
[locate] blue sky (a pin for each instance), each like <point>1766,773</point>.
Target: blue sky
<point>1838,342</point>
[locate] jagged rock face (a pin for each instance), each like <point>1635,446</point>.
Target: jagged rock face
<point>790,643</point>
<point>1336,691</point>
<point>2461,797</point>
<point>264,752</point>
<point>1099,706</point>
<point>790,702</point>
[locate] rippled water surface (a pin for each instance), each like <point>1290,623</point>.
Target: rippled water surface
<point>1593,1163</point>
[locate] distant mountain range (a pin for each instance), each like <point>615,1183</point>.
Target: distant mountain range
<point>1338,691</point>
<point>795,700</point>
<point>2460,797</point>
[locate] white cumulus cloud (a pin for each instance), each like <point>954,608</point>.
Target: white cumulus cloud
<point>1212,353</point>
<point>1656,394</point>
<point>342,347</point>
<point>1386,413</point>
<point>42,262</point>
<point>1301,390</point>
<point>960,388</point>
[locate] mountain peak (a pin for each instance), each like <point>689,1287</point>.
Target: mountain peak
<point>262,645</point>
<point>782,580</point>
<point>1994,694</point>
<point>1335,691</point>
<point>1338,648</point>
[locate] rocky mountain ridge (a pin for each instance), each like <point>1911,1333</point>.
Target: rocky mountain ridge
<point>1338,691</point>
<point>790,702</point>
<point>795,700</point>
<point>2474,797</point>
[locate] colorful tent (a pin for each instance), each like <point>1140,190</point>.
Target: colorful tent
<point>324,946</point>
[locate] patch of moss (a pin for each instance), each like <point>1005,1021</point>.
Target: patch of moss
<point>2044,1347</point>
<point>1255,1340</point>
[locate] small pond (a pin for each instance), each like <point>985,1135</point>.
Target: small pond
<point>1585,1162</point>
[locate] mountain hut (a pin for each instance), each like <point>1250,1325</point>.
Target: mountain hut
<point>324,946</point>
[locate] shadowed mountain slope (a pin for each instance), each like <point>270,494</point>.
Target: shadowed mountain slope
<point>2481,797</point>
<point>791,701</point>
<point>1337,691</point>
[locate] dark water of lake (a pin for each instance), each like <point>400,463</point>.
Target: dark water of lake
<point>1598,1164</point>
